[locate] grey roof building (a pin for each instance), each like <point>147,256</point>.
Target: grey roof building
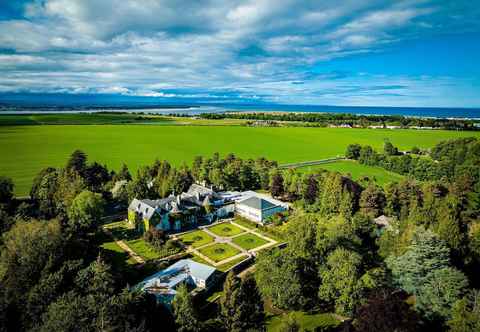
<point>258,208</point>
<point>164,283</point>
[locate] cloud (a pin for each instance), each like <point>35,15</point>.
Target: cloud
<point>214,49</point>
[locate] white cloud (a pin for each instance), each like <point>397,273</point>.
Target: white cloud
<point>150,47</point>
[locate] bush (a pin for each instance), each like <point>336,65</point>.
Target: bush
<point>155,237</point>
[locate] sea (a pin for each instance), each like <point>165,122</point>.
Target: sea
<point>427,112</point>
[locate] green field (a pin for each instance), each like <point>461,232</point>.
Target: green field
<point>357,170</point>
<point>196,238</point>
<point>25,150</point>
<point>219,251</point>
<point>225,230</point>
<point>249,241</point>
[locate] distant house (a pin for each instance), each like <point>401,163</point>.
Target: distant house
<point>257,207</point>
<point>164,283</point>
<point>175,213</point>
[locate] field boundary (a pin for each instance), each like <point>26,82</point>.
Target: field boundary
<point>311,163</point>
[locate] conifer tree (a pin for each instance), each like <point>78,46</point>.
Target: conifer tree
<point>185,318</point>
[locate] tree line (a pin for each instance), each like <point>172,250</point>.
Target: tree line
<point>354,120</point>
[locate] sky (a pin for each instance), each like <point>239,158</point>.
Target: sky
<point>417,53</point>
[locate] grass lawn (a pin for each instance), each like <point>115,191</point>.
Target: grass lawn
<point>121,230</point>
<point>142,248</point>
<point>273,232</point>
<point>117,254</point>
<point>196,238</point>
<point>219,251</point>
<point>306,321</point>
<point>249,241</point>
<point>225,229</point>
<point>25,150</point>
<point>357,170</point>
<point>225,267</point>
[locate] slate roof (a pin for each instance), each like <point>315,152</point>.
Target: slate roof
<point>185,270</point>
<point>147,207</point>
<point>196,188</point>
<point>257,203</point>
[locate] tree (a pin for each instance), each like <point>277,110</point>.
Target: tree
<point>6,190</point>
<point>466,313</point>
<point>278,277</point>
<point>68,313</point>
<point>27,248</point>
<point>449,222</point>
<point>441,289</point>
<point>389,149</point>
<point>123,174</point>
<point>474,239</point>
<point>96,176</point>
<point>426,254</point>
<point>77,162</point>
<point>86,210</point>
<point>372,201</point>
<point>385,310</point>
<point>311,189</point>
<point>184,312</point>
<point>228,304</point>
<point>6,221</point>
<point>249,315</point>
<point>139,188</point>
<point>353,151</point>
<point>43,192</point>
<point>301,237</point>
<point>276,184</point>
<point>339,279</point>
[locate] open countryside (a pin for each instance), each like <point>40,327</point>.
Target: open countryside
<point>25,150</point>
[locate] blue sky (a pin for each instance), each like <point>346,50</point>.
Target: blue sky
<point>364,53</point>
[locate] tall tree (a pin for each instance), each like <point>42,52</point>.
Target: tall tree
<point>278,278</point>
<point>340,280</point>
<point>249,315</point>
<point>228,305</point>
<point>385,310</point>
<point>276,184</point>
<point>123,174</point>
<point>77,162</point>
<point>372,201</point>
<point>6,190</point>
<point>441,289</point>
<point>185,317</point>
<point>85,212</point>
<point>310,191</point>
<point>426,254</point>
<point>466,313</point>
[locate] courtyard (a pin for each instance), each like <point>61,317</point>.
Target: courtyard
<point>225,242</point>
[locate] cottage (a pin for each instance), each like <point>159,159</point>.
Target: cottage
<point>164,283</point>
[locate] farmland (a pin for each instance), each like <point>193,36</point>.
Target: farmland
<point>357,171</point>
<point>25,150</point>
